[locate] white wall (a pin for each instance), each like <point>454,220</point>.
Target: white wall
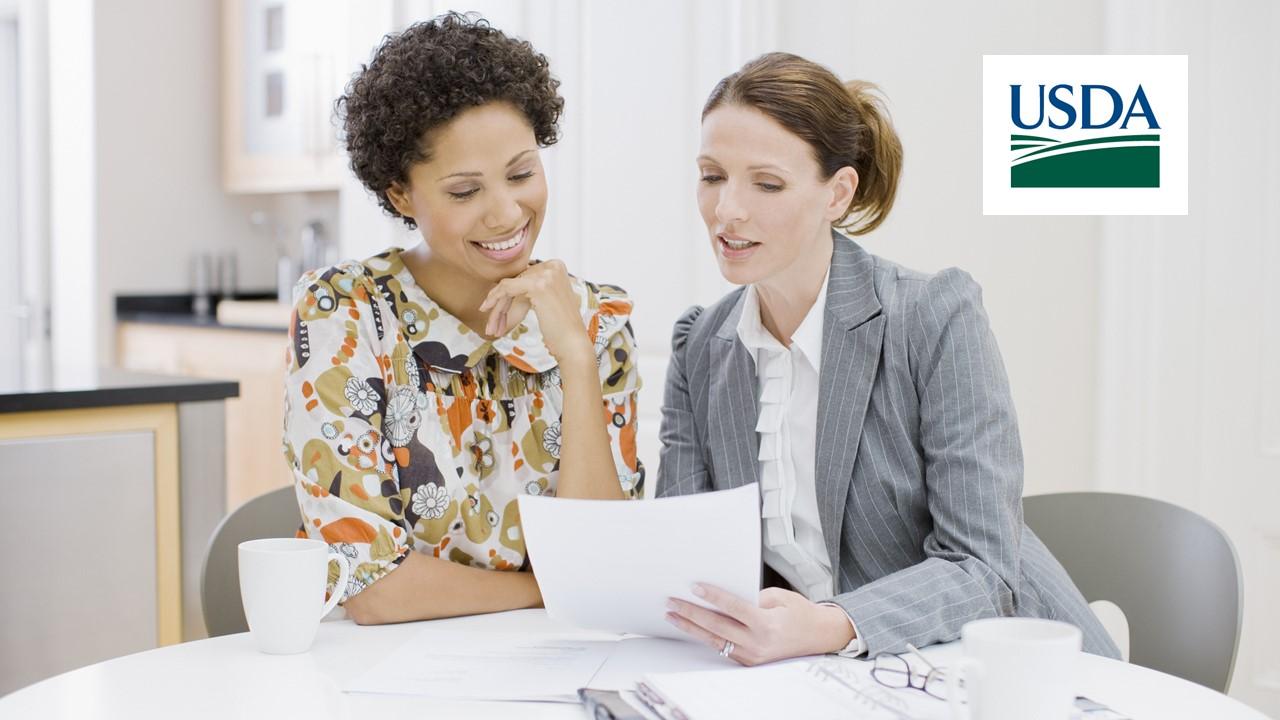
<point>1190,333</point>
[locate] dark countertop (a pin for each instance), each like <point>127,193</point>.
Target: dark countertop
<point>105,387</point>
<point>192,321</point>
<point>178,310</point>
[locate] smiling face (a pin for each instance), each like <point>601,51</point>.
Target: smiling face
<point>479,201</point>
<point>767,209</point>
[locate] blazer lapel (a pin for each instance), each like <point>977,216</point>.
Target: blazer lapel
<point>853,330</point>
<point>733,407</point>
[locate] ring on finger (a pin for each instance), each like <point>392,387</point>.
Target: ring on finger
<point>727,650</point>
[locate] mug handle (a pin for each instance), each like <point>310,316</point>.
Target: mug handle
<point>967,672</point>
<point>339,588</point>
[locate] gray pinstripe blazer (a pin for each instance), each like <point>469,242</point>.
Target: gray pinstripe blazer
<point>919,463</point>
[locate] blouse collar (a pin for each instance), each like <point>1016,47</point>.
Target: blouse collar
<point>807,337</point>
<point>445,343</point>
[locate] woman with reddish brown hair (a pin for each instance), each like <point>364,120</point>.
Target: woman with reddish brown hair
<point>869,401</point>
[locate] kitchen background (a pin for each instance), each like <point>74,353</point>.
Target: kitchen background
<point>159,159</point>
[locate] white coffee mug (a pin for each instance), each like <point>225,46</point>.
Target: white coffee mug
<point>282,585</point>
<point>1015,669</point>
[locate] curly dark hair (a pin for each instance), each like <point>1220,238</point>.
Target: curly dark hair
<point>421,78</point>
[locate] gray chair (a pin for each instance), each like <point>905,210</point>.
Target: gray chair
<point>1174,573</point>
<point>274,514</point>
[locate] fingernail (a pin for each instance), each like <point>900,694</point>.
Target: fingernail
<point>671,619</point>
<point>699,591</point>
<point>671,605</point>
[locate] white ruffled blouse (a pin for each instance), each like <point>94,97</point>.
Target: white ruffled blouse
<point>787,386</point>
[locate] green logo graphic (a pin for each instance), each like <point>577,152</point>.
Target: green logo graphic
<point>1117,161</point>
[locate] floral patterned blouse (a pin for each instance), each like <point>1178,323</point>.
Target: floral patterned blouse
<point>408,431</point>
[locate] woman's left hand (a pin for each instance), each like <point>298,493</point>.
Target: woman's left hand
<point>785,625</point>
<point>545,288</point>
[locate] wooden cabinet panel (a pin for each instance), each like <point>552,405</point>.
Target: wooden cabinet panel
<point>255,420</point>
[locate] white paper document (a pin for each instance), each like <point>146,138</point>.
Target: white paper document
<point>611,565</point>
<point>813,689</point>
<point>486,666</point>
<point>633,658</point>
<point>471,664</point>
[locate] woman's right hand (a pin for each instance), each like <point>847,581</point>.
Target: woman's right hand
<point>545,288</point>
<point>783,625</point>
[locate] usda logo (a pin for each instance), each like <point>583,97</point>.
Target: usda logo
<point>1084,135</point>
<point>1125,159</point>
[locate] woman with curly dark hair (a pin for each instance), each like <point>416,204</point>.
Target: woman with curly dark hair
<point>430,387</point>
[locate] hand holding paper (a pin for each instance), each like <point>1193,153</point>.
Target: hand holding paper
<point>611,565</point>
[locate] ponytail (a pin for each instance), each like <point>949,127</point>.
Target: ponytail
<point>882,150</point>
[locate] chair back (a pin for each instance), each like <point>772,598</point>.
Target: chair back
<point>1174,573</point>
<point>272,515</point>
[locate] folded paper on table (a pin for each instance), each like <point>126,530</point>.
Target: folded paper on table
<point>633,658</point>
<point>611,565</point>
<point>548,666</point>
<point>462,665</point>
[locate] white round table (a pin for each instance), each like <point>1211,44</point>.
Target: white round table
<point>226,678</point>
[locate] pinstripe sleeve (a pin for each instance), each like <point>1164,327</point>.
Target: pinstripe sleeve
<point>973,477</point>
<point>681,470</point>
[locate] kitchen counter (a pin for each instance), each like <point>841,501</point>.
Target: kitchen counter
<point>105,387</point>
<point>179,310</point>
<point>135,462</point>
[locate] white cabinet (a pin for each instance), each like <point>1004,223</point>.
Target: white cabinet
<point>283,65</point>
<point>93,530</point>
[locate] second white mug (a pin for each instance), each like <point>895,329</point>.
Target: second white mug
<point>1015,669</point>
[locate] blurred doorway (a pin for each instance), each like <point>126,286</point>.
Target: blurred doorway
<point>24,173</point>
<point>13,310</point>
